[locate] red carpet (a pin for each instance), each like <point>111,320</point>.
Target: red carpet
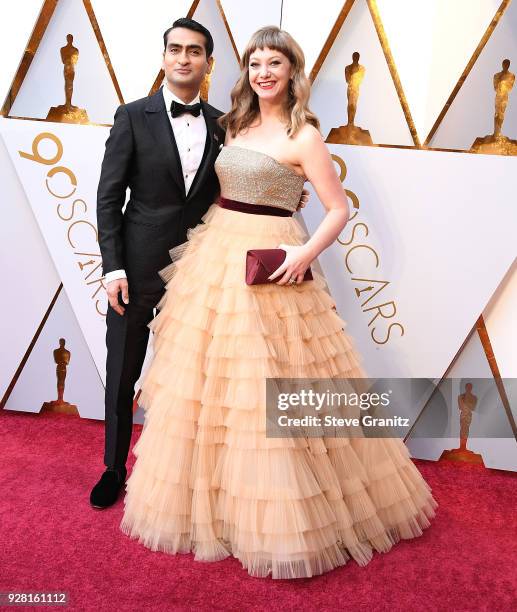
<point>51,539</point>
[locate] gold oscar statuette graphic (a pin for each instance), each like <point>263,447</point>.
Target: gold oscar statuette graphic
<point>497,143</point>
<point>350,133</point>
<point>466,405</point>
<point>205,85</point>
<point>62,360</point>
<point>67,112</point>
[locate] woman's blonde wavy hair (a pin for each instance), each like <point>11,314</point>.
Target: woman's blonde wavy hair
<point>245,107</point>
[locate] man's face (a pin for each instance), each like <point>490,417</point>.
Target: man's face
<point>184,59</point>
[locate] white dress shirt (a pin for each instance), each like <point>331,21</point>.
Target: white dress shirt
<point>190,135</point>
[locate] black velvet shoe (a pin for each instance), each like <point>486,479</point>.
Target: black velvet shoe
<point>105,492</point>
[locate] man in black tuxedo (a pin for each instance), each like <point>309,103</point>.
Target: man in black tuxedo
<point>163,147</point>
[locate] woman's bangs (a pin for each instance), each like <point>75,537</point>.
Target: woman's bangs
<point>270,40</point>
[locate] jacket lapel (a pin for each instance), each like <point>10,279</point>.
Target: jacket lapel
<point>162,132</point>
<point>213,142</point>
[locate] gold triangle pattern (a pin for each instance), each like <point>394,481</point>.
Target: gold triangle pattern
<point>38,32</point>
<point>44,17</point>
<point>383,39</point>
<point>484,338</point>
<point>477,52</point>
<point>28,352</point>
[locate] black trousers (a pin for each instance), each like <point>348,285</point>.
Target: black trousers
<point>126,340</point>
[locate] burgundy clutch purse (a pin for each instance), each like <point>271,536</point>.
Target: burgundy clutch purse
<point>261,263</point>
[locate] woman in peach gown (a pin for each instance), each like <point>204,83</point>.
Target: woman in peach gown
<point>207,479</point>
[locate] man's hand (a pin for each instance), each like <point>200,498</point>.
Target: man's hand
<point>304,198</point>
<point>113,289</point>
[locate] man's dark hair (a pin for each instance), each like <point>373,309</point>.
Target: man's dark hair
<point>190,24</point>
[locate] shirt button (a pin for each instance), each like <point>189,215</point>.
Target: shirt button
<point>188,123</point>
<point>186,175</point>
<point>188,150</point>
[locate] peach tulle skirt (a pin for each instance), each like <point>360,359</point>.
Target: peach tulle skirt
<point>206,478</point>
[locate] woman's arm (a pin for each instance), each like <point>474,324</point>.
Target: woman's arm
<point>316,162</point>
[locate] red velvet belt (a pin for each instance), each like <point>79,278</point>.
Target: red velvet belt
<point>254,209</point>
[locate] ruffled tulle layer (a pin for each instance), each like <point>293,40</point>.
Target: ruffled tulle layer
<point>206,478</point>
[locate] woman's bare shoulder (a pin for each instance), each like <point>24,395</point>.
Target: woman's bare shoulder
<point>308,135</point>
<point>308,139</point>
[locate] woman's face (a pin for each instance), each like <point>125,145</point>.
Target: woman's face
<point>269,73</point>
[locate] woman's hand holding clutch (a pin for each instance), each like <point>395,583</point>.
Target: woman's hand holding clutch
<point>297,261</point>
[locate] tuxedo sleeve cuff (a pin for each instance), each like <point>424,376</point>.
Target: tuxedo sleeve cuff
<point>114,275</point>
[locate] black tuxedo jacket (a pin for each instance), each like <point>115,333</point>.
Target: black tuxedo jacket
<point>141,154</point>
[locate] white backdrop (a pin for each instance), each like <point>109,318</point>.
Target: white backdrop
<point>443,224</point>
<point>14,34</point>
<point>28,272</point>
<point>416,229</point>
<point>63,199</point>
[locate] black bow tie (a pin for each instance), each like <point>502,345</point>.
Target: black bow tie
<point>178,109</point>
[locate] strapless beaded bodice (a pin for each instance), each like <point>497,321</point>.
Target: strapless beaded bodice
<point>250,176</point>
